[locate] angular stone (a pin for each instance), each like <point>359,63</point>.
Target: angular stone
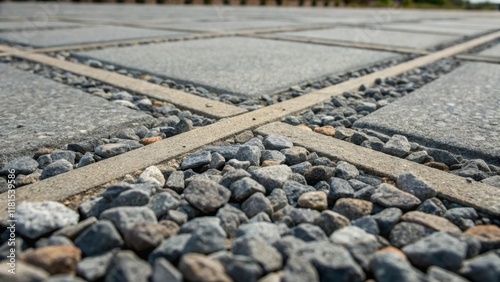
<point>319,173</point>
<point>330,221</point>
<point>390,196</point>
<point>207,196</point>
<point>249,153</point>
<point>431,221</point>
<point>231,218</point>
<point>260,251</point>
<point>353,208</point>
<point>368,224</point>
<point>346,170</point>
<point>294,190</point>
<point>101,237</point>
<point>439,274</point>
<point>295,155</point>
<point>307,232</point>
<point>415,186</point>
<point>24,272</point>
<point>386,219</point>
<point>273,155</point>
<point>313,200</point>
<point>163,270</point>
<point>405,233</point>
<point>278,199</point>
<point>63,155</point>
<point>438,249</point>
<point>124,218</point>
<point>488,235</point>
<point>265,230</point>
<point>255,204</point>
<point>272,177</point>
<point>54,259</point>
<point>23,165</point>
<point>339,188</point>
<point>232,176</point>
<point>94,268</point>
<point>196,160</point>
<point>197,267</point>
<point>145,236</point>
<point>244,188</point>
<point>55,168</point>
<point>287,245</point>
<point>163,202</point>
<point>432,206</point>
<point>125,266</point>
<point>152,174</point>
<point>485,267</point>
<point>36,219</point>
<point>171,249</point>
<point>274,142</point>
<point>464,218</point>
<point>388,267</point>
<point>176,181</point>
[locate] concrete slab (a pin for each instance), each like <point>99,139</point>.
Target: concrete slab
<point>493,51</point>
<point>458,112</point>
<point>375,36</point>
<point>30,25</point>
<point>52,38</point>
<point>37,112</point>
<point>245,66</point>
<point>229,25</point>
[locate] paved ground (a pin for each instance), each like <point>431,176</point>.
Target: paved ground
<point>346,79</point>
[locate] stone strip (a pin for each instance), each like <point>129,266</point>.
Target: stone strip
<point>331,42</point>
<point>449,186</point>
<point>479,58</point>
<point>203,106</point>
<point>83,179</point>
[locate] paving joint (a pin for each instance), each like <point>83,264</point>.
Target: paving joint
<point>91,176</point>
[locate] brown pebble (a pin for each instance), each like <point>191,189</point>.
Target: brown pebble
<point>158,104</point>
<point>269,163</point>
<point>327,130</point>
<point>151,140</point>
<point>54,259</point>
<point>431,221</point>
<point>488,235</point>
<point>391,249</point>
<point>197,267</point>
<point>353,208</point>
<point>43,151</point>
<point>304,127</point>
<point>316,200</point>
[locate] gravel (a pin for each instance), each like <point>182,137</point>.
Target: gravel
<point>245,225</point>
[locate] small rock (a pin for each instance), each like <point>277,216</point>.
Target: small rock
<point>197,267</point>
<point>319,173</point>
<point>218,161</point>
<point>493,181</point>
<point>442,156</point>
<point>244,188</point>
<point>86,159</point>
<point>418,157</point>
<point>145,236</point>
<point>274,142</point>
<point>313,200</point>
<point>339,188</point>
<point>111,149</point>
<point>386,219</point>
<point>295,155</point>
<point>346,170</point>
<point>462,217</point>
<point>206,195</point>
<point>153,175</point>
<point>184,125</point>
<point>231,218</point>
<point>438,249</point>
<point>243,137</point>
<point>124,218</point>
<point>432,206</point>
<point>175,181</point>
<point>388,267</point>
<point>54,259</point>
<point>36,219</point>
<point>150,140</point>
<point>368,224</point>
<point>196,160</point>
<point>485,267</point>
<point>249,153</point>
<point>397,146</point>
<point>255,204</point>
<point>409,183</point>
<point>389,196</point>
<point>307,232</point>
<point>43,161</point>
<point>436,273</point>
<point>125,266</point>
<point>488,235</point>
<point>361,245</point>
<point>278,199</point>
<point>23,165</point>
<point>269,232</point>
<point>431,221</point>
<point>163,270</point>
<point>405,233</point>
<point>101,237</point>
<point>353,208</point>
<point>162,203</point>
<point>327,130</point>
<point>63,155</point>
<point>232,176</point>
<point>272,177</point>
<point>55,168</point>
<point>437,165</point>
<point>273,155</point>
<point>330,221</point>
<point>260,251</point>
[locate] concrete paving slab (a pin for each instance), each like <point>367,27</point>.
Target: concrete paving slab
<point>37,112</point>
<point>52,38</point>
<point>229,25</point>
<point>245,66</point>
<point>30,25</point>
<point>376,36</point>
<point>458,112</point>
<point>493,51</point>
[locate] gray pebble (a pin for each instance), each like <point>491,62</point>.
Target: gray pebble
<point>294,190</point>
<point>231,218</point>
<point>307,232</point>
<point>125,266</point>
<point>99,238</point>
<point>410,183</point>
<point>273,155</point>
<point>330,221</point>
<point>23,165</point>
<point>268,231</point>
<point>244,188</point>
<point>295,155</point>
<point>389,267</point>
<point>272,177</point>
<point>389,196</point>
<point>93,268</point>
<point>278,199</point>
<point>111,149</point>
<point>485,267</point>
<point>432,206</point>
<point>249,153</point>
<point>196,160</point>
<point>163,270</point>
<point>255,204</point>
<point>206,195</point>
<point>346,170</point>
<point>44,160</point>
<point>124,218</point>
<point>339,188</point>
<point>274,142</point>
<point>398,146</point>
<point>260,251</point>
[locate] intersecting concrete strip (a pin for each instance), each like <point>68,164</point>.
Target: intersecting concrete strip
<point>203,106</point>
<point>83,179</point>
<point>454,188</point>
<point>330,42</point>
<point>479,58</point>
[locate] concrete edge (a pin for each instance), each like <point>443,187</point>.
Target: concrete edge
<point>449,186</point>
<point>479,58</point>
<point>200,105</point>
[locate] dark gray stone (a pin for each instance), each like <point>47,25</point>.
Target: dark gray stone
<point>55,168</point>
<point>441,125</point>
<point>397,146</point>
<point>206,195</point>
<point>273,155</point>
<point>244,188</point>
<point>63,155</point>
<point>319,173</point>
<point>493,181</point>
<point>262,70</point>
<point>409,183</point>
<point>278,199</point>
<point>255,204</point>
<point>218,161</point>
<point>388,267</point>
<point>86,159</point>
<point>23,165</point>
<point>418,157</point>
<point>485,267</point>
<point>111,149</point>
<point>175,181</point>
<point>249,153</point>
<point>405,233</point>
<point>439,249</point>
<point>287,245</point>
<point>432,206</point>
<point>196,160</point>
<point>93,207</point>
<point>439,274</point>
<point>293,190</point>
<point>171,249</point>
<point>295,155</point>
<point>163,270</point>
<point>125,266</point>
<point>346,170</point>
<point>99,238</point>
<point>162,203</point>
<point>232,176</point>
<point>44,160</point>
<point>36,219</point>
<point>124,218</point>
<point>265,230</point>
<point>464,218</point>
<point>206,235</point>
<point>93,268</point>
<point>231,218</point>
<point>260,251</point>
<point>339,188</point>
<point>307,232</point>
<point>330,221</point>
<point>275,142</point>
<point>368,224</point>
<point>386,219</point>
<point>390,196</point>
<point>239,268</point>
<point>301,168</point>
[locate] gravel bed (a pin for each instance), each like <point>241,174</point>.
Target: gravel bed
<point>335,118</point>
<point>244,102</point>
<point>483,47</point>
<point>256,209</point>
<point>48,162</point>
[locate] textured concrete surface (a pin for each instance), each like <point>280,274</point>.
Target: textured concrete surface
<point>244,66</point>
<point>458,112</point>
<point>30,25</point>
<point>374,35</point>
<point>37,112</point>
<point>493,51</point>
<point>58,37</point>
<point>229,25</point>
<point>428,28</point>
<point>449,186</point>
